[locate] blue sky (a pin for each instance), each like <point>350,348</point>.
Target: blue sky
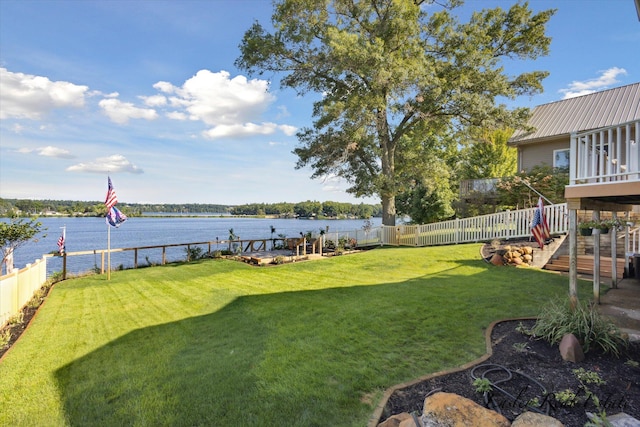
<point>146,92</point>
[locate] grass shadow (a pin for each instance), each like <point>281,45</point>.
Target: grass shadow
<point>305,358</point>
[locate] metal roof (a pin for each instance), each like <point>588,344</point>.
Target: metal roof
<point>593,111</point>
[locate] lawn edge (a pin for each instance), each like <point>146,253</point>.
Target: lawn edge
<point>377,413</point>
<point>35,314</point>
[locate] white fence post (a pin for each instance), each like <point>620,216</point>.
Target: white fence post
<point>17,288</point>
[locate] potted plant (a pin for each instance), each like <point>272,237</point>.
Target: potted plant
<point>608,224</point>
<point>586,227</point>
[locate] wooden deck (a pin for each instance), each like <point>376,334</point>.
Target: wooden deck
<point>585,265</point>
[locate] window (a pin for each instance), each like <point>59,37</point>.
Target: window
<point>561,158</point>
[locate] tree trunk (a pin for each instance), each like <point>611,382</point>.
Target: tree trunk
<point>387,159</point>
<point>388,210</point>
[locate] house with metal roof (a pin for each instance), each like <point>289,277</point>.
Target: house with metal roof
<point>548,140</point>
<point>596,137</point>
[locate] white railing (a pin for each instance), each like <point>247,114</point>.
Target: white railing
<point>502,225</point>
<point>372,237</point>
<point>483,186</point>
<point>634,242</point>
<point>18,287</point>
<point>604,155</point>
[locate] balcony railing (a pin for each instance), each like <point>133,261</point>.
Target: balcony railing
<point>605,155</point>
<point>484,186</point>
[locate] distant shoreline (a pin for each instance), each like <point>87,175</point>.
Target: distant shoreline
<point>193,215</point>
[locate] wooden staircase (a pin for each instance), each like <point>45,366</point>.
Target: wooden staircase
<point>585,265</point>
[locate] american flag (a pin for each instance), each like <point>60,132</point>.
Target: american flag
<point>115,218</point>
<point>111,199</point>
<point>61,243</point>
<point>539,226</point>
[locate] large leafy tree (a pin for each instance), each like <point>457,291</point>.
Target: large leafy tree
<point>390,71</point>
<point>424,167</point>
<point>489,156</point>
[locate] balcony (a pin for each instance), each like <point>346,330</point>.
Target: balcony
<point>605,165</point>
<point>485,187</point>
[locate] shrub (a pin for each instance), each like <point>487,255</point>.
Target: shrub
<point>558,319</point>
<point>5,337</point>
<point>278,260</point>
<point>482,385</point>
<point>588,377</point>
<point>566,397</point>
<point>38,297</point>
<point>55,277</point>
<point>16,319</point>
<point>193,253</point>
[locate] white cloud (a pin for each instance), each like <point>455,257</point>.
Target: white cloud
<point>230,106</point>
<point>165,87</point>
<point>607,78</point>
<point>48,151</point>
<point>246,129</point>
<point>120,112</point>
<point>111,164</point>
<point>283,112</point>
<point>26,96</point>
<point>217,99</point>
<point>155,100</point>
<point>288,130</point>
<point>176,115</point>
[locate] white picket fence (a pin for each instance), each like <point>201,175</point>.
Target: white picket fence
<point>18,287</point>
<point>502,225</point>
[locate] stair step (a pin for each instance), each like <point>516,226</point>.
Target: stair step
<point>588,271</point>
<point>584,265</point>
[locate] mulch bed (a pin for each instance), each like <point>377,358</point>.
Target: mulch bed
<point>27,313</point>
<point>527,359</point>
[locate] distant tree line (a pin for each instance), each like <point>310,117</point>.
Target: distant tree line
<point>309,209</point>
<point>27,207</point>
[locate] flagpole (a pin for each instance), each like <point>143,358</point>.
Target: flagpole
<point>113,219</point>
<point>64,252</point>
<point>535,191</point>
<point>108,252</point>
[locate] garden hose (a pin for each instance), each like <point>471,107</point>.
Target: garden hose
<point>488,396</point>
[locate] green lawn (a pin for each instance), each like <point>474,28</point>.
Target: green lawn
<point>223,343</point>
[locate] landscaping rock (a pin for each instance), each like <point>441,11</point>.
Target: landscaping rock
<point>497,259</point>
<point>622,420</point>
<point>570,349</point>
<point>449,409</point>
<point>531,419</point>
<point>395,420</point>
<point>522,256</point>
<point>411,423</point>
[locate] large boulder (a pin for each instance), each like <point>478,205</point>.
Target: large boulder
<point>570,349</point>
<point>497,259</point>
<point>449,409</point>
<point>395,420</point>
<point>531,419</point>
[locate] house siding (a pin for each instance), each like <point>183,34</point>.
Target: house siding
<point>538,154</point>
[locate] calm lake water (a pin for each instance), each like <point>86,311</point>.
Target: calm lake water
<point>84,234</point>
